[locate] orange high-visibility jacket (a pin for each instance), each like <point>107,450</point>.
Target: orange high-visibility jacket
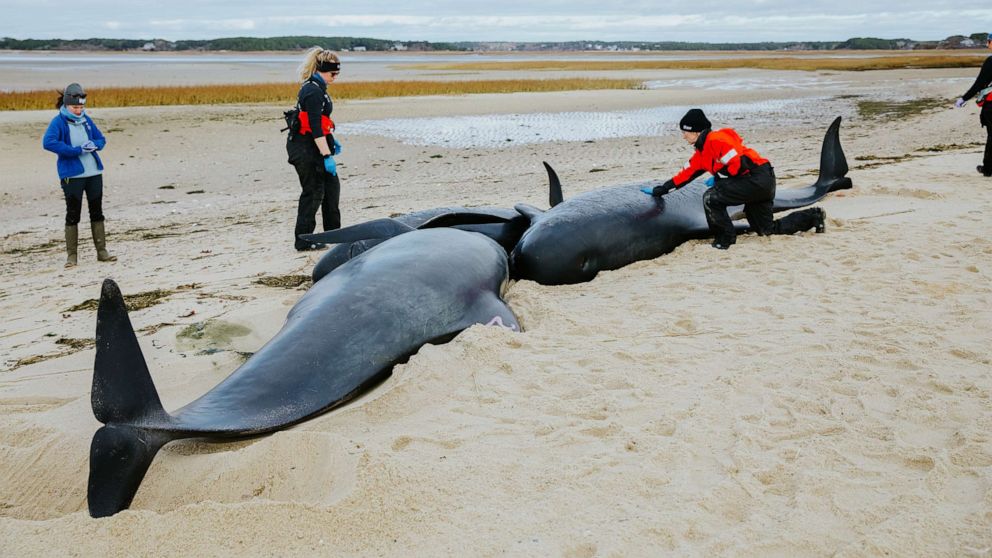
<point>721,153</point>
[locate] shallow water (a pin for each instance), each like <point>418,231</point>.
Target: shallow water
<point>507,130</point>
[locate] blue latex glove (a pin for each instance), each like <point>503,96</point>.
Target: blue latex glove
<point>88,147</point>
<point>709,182</point>
<point>959,103</point>
<point>337,148</point>
<point>330,166</point>
<point>647,190</point>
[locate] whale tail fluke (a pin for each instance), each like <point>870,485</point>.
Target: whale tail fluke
<point>833,163</point>
<point>123,391</point>
<point>124,398</point>
<point>555,196</point>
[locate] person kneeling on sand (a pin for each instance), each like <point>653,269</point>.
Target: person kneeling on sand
<point>74,137</point>
<point>741,176</point>
<point>982,91</point>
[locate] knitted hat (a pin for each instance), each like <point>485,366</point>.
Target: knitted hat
<point>74,95</point>
<point>694,121</point>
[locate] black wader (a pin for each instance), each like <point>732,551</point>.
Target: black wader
<point>986,117</point>
<point>756,191</point>
<point>319,190</point>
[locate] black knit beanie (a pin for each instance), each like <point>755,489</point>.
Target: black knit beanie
<point>74,95</point>
<point>694,121</point>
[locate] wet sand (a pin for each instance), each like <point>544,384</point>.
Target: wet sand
<point>811,395</point>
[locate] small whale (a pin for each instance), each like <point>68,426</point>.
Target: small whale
<point>609,228</point>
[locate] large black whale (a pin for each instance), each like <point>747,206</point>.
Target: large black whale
<point>609,228</point>
<point>343,336</point>
<point>503,225</point>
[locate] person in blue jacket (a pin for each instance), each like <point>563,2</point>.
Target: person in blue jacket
<point>74,137</point>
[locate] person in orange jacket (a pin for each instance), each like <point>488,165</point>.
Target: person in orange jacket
<point>741,176</point>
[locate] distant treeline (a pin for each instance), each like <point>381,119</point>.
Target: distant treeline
<point>359,43</point>
<point>241,44</point>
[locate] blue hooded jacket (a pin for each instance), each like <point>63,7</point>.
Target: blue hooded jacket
<point>57,141</point>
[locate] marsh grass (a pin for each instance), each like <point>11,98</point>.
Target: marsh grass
<point>284,281</point>
<point>133,302</point>
<point>893,62</point>
<point>285,93</point>
<point>888,110</point>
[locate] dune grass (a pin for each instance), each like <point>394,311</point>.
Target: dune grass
<point>892,62</point>
<point>285,93</point>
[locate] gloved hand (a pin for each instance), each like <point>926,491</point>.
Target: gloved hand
<point>330,166</point>
<point>665,188</point>
<point>88,147</point>
<point>709,182</point>
<point>959,103</point>
<point>337,148</point>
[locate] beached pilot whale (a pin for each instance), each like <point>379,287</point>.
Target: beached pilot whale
<point>343,336</point>
<point>609,228</point>
<point>505,226</point>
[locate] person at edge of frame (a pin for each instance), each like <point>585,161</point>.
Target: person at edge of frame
<point>982,91</point>
<point>74,137</point>
<point>741,176</point>
<point>311,148</point>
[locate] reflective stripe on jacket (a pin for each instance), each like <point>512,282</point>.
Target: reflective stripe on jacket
<point>722,152</point>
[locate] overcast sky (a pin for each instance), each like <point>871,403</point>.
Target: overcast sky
<point>510,20</point>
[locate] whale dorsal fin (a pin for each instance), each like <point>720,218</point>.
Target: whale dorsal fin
<point>378,228</point>
<point>528,211</point>
<point>833,163</point>
<point>555,196</point>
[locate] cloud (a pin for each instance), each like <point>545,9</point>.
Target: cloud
<point>205,24</point>
<point>512,20</point>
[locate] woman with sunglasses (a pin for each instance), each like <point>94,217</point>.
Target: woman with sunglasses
<point>312,147</point>
<point>74,137</point>
<point>982,90</point>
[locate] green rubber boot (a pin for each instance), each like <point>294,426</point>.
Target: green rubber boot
<point>71,244</point>
<point>100,241</point>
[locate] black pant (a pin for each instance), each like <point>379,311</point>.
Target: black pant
<point>73,189</point>
<point>757,192</point>
<point>986,117</point>
<point>319,189</point>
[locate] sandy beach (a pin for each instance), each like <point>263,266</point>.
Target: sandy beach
<point>813,395</point>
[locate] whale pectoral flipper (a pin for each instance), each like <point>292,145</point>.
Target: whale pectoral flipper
<point>124,398</point>
<point>455,219</point>
<point>378,229</point>
<point>490,310</point>
<point>529,211</point>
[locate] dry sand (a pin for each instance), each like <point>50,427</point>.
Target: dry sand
<point>815,395</point>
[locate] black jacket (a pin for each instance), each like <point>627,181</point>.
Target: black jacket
<point>983,80</point>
